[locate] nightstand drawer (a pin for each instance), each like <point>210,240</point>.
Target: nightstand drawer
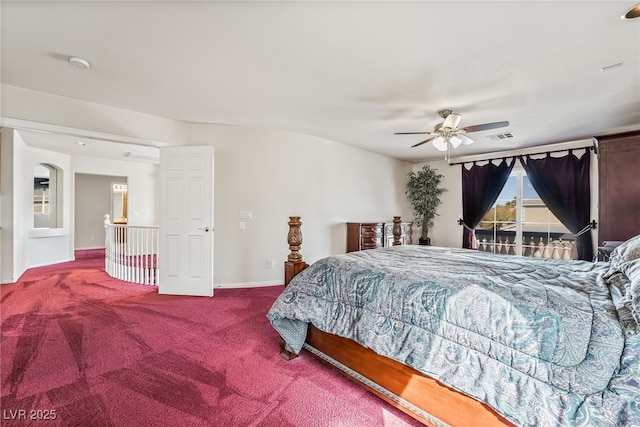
<point>371,229</point>
<point>371,242</point>
<point>372,235</point>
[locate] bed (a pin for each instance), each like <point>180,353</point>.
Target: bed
<point>461,337</point>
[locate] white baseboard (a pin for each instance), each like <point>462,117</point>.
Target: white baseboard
<point>6,281</point>
<point>47,264</point>
<point>246,285</point>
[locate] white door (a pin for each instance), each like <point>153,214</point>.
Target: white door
<point>185,258</point>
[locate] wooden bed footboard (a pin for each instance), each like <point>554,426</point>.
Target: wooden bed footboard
<point>411,391</point>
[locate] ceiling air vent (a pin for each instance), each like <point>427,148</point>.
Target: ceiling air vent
<point>500,136</point>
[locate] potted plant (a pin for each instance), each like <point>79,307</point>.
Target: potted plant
<point>423,191</point>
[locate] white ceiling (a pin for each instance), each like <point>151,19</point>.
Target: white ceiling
<point>352,72</point>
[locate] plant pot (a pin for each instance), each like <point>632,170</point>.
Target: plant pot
<point>426,242</point>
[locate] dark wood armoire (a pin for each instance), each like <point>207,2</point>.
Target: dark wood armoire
<point>619,186</point>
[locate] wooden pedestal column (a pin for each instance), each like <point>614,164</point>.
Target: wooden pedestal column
<point>294,263</point>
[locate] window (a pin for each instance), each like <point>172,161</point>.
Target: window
<point>519,223</point>
<point>47,190</point>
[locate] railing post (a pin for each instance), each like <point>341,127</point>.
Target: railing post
<point>107,244</point>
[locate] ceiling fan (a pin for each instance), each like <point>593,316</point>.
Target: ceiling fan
<point>448,133</point>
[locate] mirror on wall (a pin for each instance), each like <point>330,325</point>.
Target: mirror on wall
<point>119,202</point>
<point>47,192</point>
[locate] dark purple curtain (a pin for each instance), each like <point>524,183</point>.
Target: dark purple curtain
<point>563,184</point>
<point>481,186</point>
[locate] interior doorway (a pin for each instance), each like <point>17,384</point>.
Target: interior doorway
<point>119,191</point>
<point>95,196</point>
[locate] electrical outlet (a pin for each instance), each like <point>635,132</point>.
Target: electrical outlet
<point>243,225</point>
<point>269,264</point>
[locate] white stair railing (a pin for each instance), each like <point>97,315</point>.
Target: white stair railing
<point>131,252</point>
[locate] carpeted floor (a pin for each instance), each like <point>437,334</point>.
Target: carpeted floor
<point>79,348</point>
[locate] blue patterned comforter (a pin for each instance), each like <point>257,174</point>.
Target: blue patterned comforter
<point>538,340</point>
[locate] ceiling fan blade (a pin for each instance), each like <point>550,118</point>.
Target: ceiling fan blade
<point>452,121</point>
<point>411,133</point>
<point>422,142</point>
<point>486,126</point>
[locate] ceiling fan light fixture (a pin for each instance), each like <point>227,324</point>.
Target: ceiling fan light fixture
<point>440,143</point>
<point>465,140</point>
<point>455,141</point>
<point>634,12</point>
<point>446,135</point>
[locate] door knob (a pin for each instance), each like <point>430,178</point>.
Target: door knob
<point>206,229</point>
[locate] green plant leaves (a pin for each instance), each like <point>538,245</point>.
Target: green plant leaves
<point>423,191</point>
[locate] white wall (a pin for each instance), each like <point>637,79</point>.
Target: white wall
<point>44,248</point>
<point>276,174</point>
<point>446,231</point>
<point>273,174</point>
<point>7,255</point>
<point>30,247</point>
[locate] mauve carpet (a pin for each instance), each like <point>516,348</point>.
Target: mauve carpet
<point>89,350</point>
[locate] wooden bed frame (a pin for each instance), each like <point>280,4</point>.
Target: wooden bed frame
<point>413,392</point>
